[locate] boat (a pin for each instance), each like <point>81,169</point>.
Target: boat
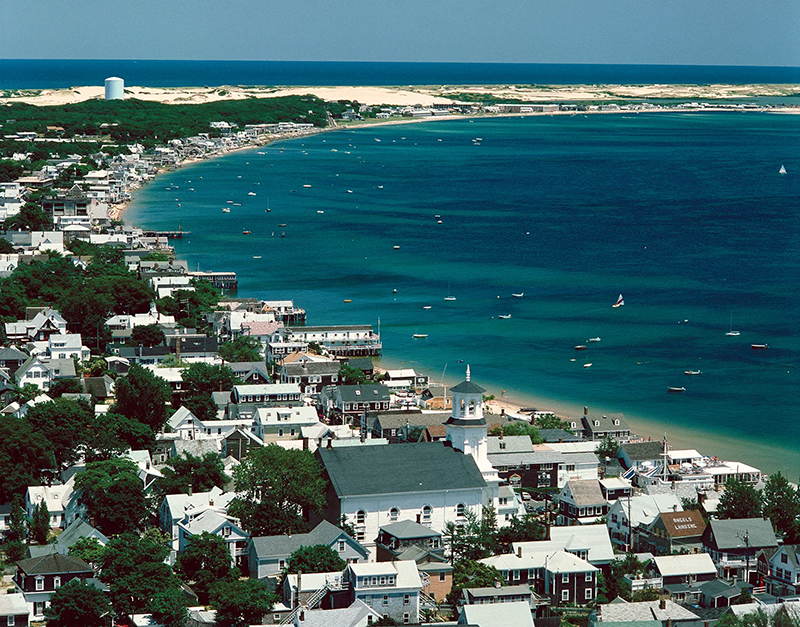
<point>281,225</point>
<point>226,210</point>
<point>620,302</point>
<point>449,295</point>
<point>320,211</point>
<point>251,193</point>
<point>230,202</point>
<point>349,191</point>
<point>283,233</point>
<point>438,222</point>
<point>671,389</point>
<point>306,185</point>
<point>692,372</point>
<point>782,170</point>
<point>256,256</point>
<point>587,365</point>
<point>520,295</point>
<point>237,204</point>
<point>245,232</point>
<point>504,316</point>
<point>732,333</point>
<point>426,307</point>
<point>347,300</point>
<point>261,153</point>
<point>580,347</point>
<point>593,339</point>
<point>397,248</point>
<point>759,346</point>
<point>419,336</point>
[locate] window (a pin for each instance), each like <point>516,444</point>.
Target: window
<point>361,517</point>
<point>394,514</point>
<point>442,576</point>
<point>38,608</point>
<point>515,574</point>
<point>502,445</point>
<point>460,510</point>
<point>386,599</point>
<point>406,618</point>
<point>374,581</point>
<point>588,576</point>
<point>281,564</point>
<point>369,619</point>
<point>341,546</point>
<point>588,594</point>
<point>39,584</point>
<point>383,581</point>
<point>426,513</point>
<point>565,595</point>
<point>565,578</point>
<point>406,599</point>
<point>56,582</point>
<point>368,599</point>
<point>10,621</point>
<point>784,559</point>
<point>226,532</point>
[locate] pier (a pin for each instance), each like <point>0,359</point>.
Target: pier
<point>220,280</point>
<point>179,234</point>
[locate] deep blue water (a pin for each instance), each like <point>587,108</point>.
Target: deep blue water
<point>684,214</point>
<point>61,73</point>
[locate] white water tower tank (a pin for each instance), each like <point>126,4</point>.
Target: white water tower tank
<point>115,88</point>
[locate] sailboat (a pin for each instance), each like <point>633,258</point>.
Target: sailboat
<point>782,170</point>
<point>620,302</point>
<point>449,295</point>
<point>732,333</point>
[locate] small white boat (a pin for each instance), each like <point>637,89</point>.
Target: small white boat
<point>593,339</point>
<point>620,302</point>
<point>504,316</point>
<point>759,346</point>
<point>520,295</point>
<point>256,256</point>
<point>237,204</point>
<point>261,152</point>
<point>580,347</point>
<point>692,372</point>
<point>319,211</point>
<point>449,297</point>
<point>230,202</point>
<point>251,193</point>
<point>380,186</point>
<point>676,390</point>
<point>238,177</point>
<point>226,210</point>
<point>349,191</point>
<point>732,333</point>
<point>427,307</point>
<point>306,185</point>
<point>439,222</point>
<point>782,170</point>
<point>397,248</point>
<point>587,365</point>
<point>419,336</point>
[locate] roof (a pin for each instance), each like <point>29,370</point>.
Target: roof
<point>468,387</point>
<point>730,534</point>
<point>495,591</point>
<point>53,564</point>
<point>644,610</point>
<point>181,414</point>
<point>513,444</point>
<point>198,448</point>
<point>78,529</point>
<point>266,389</point>
<point>517,613</point>
<point>361,393</point>
<point>13,605</point>
<point>642,451</point>
<point>311,367</point>
<point>398,419</point>
<point>595,538</point>
<point>563,562</point>
<point>406,529</point>
<point>719,588</point>
<point>278,546</point>
<point>415,467</point>
<point>209,522</point>
<point>683,524</point>
<point>558,435</point>
<point>406,571</point>
<point>99,387</point>
<point>362,363</point>
<point>606,423</point>
<point>678,565</point>
<point>351,616</point>
<point>586,492</point>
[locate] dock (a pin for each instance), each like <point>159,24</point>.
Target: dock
<point>220,280</point>
<point>168,234</point>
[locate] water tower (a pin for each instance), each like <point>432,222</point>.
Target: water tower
<point>115,88</point>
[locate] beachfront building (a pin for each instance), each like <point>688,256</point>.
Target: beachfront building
<point>734,545</point>
<point>311,376</point>
<point>628,517</point>
<point>340,341</point>
<point>349,403</point>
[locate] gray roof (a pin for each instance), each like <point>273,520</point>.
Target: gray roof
<point>13,605</point>
<point>468,387</point>
<point>558,435</point>
<point>321,368</point>
<point>397,419</point>
<point>530,457</point>
<point>642,451</point>
<point>362,363</point>
<point>399,468</point>
<point>198,448</point>
<point>283,546</point>
<point>513,444</point>
<point>644,610</point>
<point>494,591</point>
<point>719,588</point>
<point>351,616</point>
<point>53,564</point>
<point>606,423</point>
<point>364,393</point>
<point>730,534</point>
<point>586,492</point>
<point>406,529</point>
<point>10,353</point>
<point>78,529</point>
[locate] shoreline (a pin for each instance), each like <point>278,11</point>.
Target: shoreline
<point>644,427</point>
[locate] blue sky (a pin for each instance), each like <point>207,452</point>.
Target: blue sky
<point>702,32</point>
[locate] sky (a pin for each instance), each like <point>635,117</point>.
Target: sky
<point>681,32</point>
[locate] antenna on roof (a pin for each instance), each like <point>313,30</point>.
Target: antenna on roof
<point>467,372</point>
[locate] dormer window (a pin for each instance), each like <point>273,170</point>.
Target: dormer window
<point>358,392</point>
<point>502,445</point>
<point>394,514</point>
<point>616,422</point>
<point>596,423</point>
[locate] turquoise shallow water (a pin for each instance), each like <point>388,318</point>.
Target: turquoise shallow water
<point>684,214</point>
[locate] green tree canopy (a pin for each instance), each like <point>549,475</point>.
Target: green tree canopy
<point>114,434</point>
<point>202,473</point>
<point>782,507</point>
<point>78,603</point>
<point>89,550</point>
<point>243,348</point>
<point>205,561</point>
<point>143,396</point>
<point>472,538</point>
<point>608,447</point>
<point>169,607</point>
<point>351,376</point>
<point>24,457</point>
<point>113,494</point>
<point>551,421</point>
<point>146,335</point>
<point>518,428</point>
<point>66,423</point>
<point>241,602</point>
<point>275,487</point>
<point>30,218</point>
<point>739,500</point>
<point>200,378</point>
<point>525,529</point>
<point>40,523</point>
<point>471,574</point>
<point>65,386</point>
<point>319,558</point>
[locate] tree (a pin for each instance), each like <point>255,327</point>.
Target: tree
<point>202,406</point>
<point>525,529</point>
<point>608,447</point>
<point>168,607</point>
<point>155,256</point>
<point>319,558</point>
<point>202,473</point>
<point>6,247</point>
<point>551,421</point>
<point>200,378</point>
<point>205,561</point>
<point>89,550</point>
<point>241,602</point>
<point>518,428</point>
<point>614,584</point>
<point>243,348</point>
<point>146,335</point>
<point>275,488</point>
<point>782,507</point>
<point>77,603</point>
<point>17,532</point>
<point>114,434</point>
<point>471,538</point>
<point>739,500</point>
<point>30,218</point>
<point>134,569</point>
<point>65,386</point>
<point>143,396</point>
<point>471,574</point>
<point>40,523</point>
<point>113,494</point>
<point>24,456</point>
<point>351,376</point>
<point>66,423</point>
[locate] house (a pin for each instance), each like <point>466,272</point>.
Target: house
<point>685,569</point>
<point>734,544</point>
<point>570,580</point>
<point>238,443</point>
<point>672,532</point>
<point>14,611</point>
<point>596,427</point>
<point>38,578</point>
<point>176,508</point>
<point>186,424</point>
<point>340,341</point>
<point>62,346</point>
<point>266,395</point>
<point>364,364</point>
<point>499,594</point>
<point>435,397</point>
<point>196,349</point>
<point>267,555</point>
<point>782,573</point>
<point>516,613</point>
<point>589,542</point>
<point>390,588</point>
<point>665,612</point>
<point>39,324</point>
<point>531,469</point>
<point>408,540</point>
<point>426,482</point>
<point>62,500</point>
<point>357,615</point>
<point>11,358</point>
<point>75,531</point>
<point>581,503</point>
<point>101,389</point>
<point>347,403</point>
<point>614,488</point>
<point>271,424</point>
<point>405,378</point>
<point>250,372</point>
<point>627,517</point>
<point>43,372</point>
<point>312,377</point>
<point>641,456</point>
<point>403,425</point>
<point>145,355</point>
<point>218,524</point>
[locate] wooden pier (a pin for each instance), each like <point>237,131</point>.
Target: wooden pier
<point>168,234</point>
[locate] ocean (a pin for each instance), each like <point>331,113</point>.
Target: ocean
<point>684,214</point>
<point>65,73</point>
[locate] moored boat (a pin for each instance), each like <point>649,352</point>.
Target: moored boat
<point>782,170</point>
<point>676,390</point>
<point>245,232</point>
<point>593,339</point>
<point>580,347</point>
<point>620,302</point>
<point>419,336</point>
<point>504,316</point>
<point>520,295</point>
<point>759,346</point>
<point>692,372</point>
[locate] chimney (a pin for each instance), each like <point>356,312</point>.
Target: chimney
<point>319,442</point>
<point>363,435</point>
<point>299,582</point>
<point>305,444</point>
<point>501,434</point>
<point>330,443</point>
<point>302,616</point>
<point>675,508</point>
<point>519,552</point>
<point>662,605</point>
<point>419,518</point>
<point>585,410</point>
<point>190,490</point>
<point>560,440</point>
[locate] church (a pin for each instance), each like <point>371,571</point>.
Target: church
<point>431,483</point>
